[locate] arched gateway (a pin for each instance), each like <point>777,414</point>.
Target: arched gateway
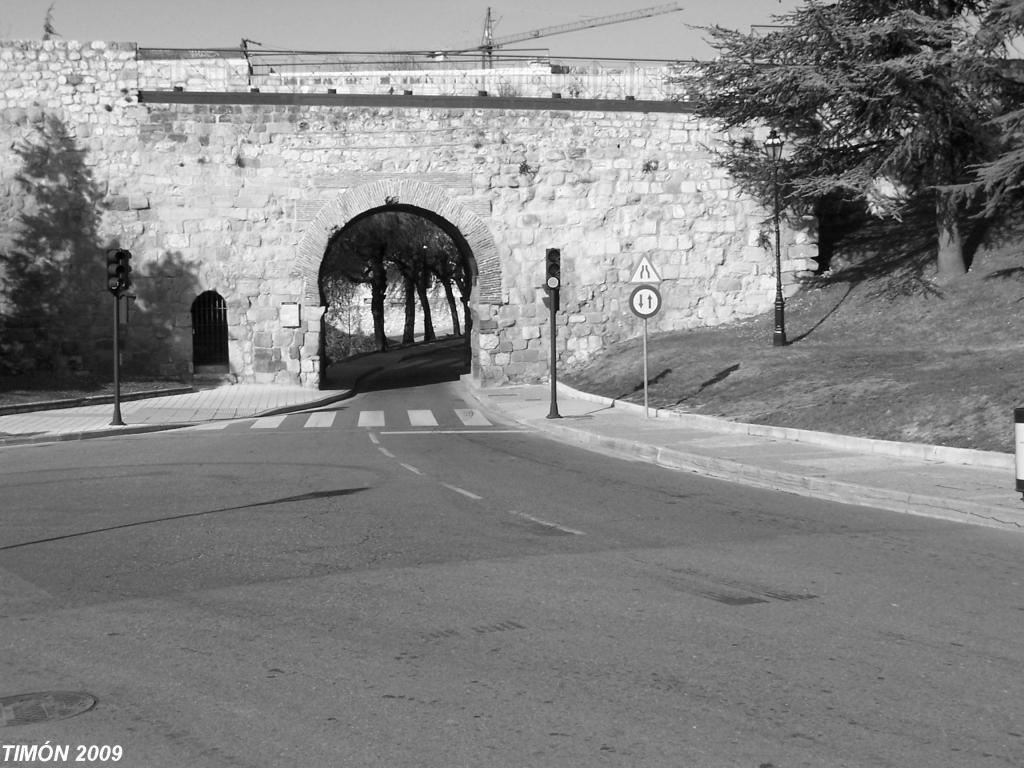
<point>239,186</point>
<point>466,229</point>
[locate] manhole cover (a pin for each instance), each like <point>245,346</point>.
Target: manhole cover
<point>28,708</point>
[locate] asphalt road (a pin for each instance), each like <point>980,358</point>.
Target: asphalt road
<point>286,592</point>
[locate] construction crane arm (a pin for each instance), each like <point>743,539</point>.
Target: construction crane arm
<point>599,21</point>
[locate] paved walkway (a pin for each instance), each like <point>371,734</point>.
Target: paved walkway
<point>975,487</point>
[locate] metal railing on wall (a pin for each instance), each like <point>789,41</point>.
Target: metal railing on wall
<point>528,75</point>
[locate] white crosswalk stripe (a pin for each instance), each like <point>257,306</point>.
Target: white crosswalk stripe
<point>371,418</point>
<point>413,417</point>
<point>422,418</point>
<point>319,419</point>
<point>269,422</point>
<point>211,425</point>
<point>472,418</point>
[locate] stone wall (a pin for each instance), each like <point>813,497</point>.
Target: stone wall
<point>242,198</point>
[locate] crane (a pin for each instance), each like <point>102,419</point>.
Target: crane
<point>490,42</point>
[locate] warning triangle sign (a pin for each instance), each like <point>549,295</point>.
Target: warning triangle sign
<point>645,273</point>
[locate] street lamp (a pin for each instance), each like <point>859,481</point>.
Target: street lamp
<point>773,148</point>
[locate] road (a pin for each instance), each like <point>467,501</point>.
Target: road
<point>361,587</point>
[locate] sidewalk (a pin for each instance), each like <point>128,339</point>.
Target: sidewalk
<point>152,414</point>
<point>968,486</point>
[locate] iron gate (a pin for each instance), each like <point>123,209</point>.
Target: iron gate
<point>209,330</point>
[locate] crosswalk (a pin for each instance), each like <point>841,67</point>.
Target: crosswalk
<point>415,418</point>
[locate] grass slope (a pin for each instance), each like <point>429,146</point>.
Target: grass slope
<point>895,356</point>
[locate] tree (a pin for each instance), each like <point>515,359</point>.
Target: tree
<point>49,30</point>
<point>399,244</point>
<point>884,101</point>
<point>1002,177</point>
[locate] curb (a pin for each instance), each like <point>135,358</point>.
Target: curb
<point>777,480</point>
<point>90,434</point>
<point>77,402</point>
<point>918,451</point>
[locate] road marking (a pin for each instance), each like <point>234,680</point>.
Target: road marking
<point>422,419</point>
<point>371,418</point>
<point>453,432</point>
<point>269,422</point>
<point>463,491</point>
<point>320,419</point>
<point>210,425</point>
<point>386,452</point>
<point>373,438</point>
<point>471,417</point>
<point>547,523</point>
<point>410,467</point>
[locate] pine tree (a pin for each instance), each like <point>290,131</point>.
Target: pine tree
<point>883,101</point>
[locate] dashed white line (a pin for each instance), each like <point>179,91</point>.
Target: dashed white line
<point>463,491</point>
<point>410,467</point>
<point>547,523</point>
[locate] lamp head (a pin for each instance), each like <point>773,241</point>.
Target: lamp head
<point>773,146</point>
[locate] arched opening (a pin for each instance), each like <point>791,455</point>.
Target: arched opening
<point>394,276</point>
<point>209,333</point>
<point>457,218</point>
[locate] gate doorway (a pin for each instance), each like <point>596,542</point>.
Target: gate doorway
<point>210,333</point>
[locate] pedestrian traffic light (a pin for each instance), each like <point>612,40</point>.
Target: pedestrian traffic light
<point>553,268</point>
<point>119,269</point>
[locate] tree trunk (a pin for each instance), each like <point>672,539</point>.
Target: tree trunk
<point>951,263</point>
<point>422,280</point>
<point>453,307</point>
<point>379,286</point>
<point>409,333</point>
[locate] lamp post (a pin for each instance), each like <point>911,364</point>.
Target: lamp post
<point>773,148</point>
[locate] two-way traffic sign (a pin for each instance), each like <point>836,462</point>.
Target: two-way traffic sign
<point>645,301</point>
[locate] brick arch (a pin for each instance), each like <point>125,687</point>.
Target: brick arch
<point>405,193</point>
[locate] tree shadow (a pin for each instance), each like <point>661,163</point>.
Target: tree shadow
<point>56,314</point>
<point>155,339</point>
<point>54,271</point>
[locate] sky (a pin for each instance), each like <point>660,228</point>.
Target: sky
<point>363,25</point>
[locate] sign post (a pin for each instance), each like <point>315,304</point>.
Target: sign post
<point>645,301</point>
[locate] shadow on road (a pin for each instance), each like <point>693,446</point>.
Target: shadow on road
<point>410,366</point>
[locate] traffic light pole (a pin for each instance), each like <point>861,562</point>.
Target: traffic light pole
<point>117,421</point>
<point>553,304</point>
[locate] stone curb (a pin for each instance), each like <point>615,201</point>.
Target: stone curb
<point>90,434</point>
<point>137,429</point>
<point>77,402</point>
<point>776,480</point>
<point>918,451</point>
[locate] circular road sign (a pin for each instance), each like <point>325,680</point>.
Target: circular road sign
<point>645,301</point>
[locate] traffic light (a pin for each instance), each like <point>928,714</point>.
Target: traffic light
<point>553,268</point>
<point>113,273</point>
<point>124,263</point>
<point>119,269</point>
